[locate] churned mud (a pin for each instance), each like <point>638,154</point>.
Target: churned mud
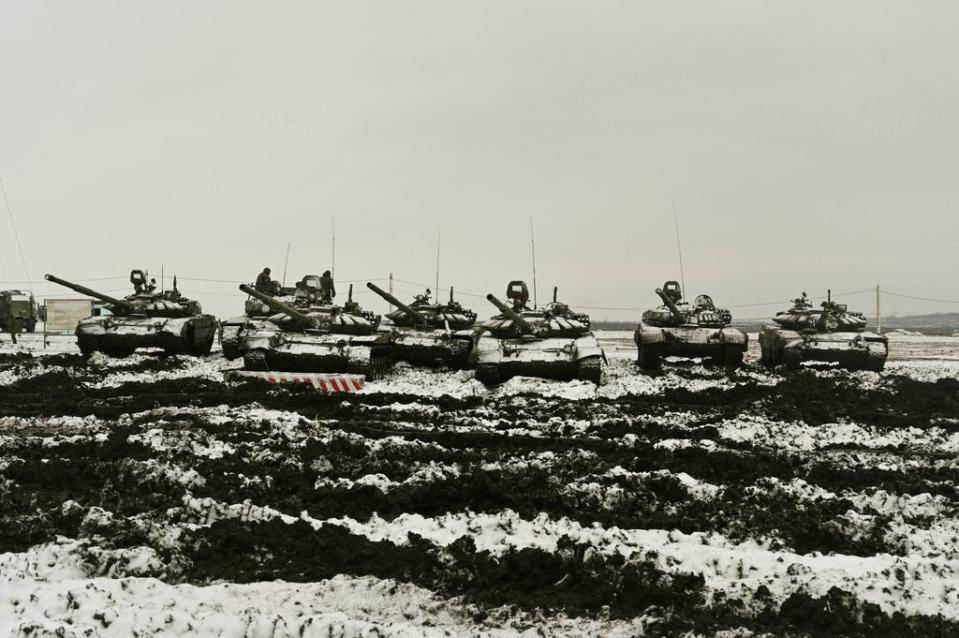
<point>815,503</point>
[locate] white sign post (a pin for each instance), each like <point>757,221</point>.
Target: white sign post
<point>63,315</point>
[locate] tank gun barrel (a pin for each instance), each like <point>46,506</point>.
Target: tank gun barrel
<point>412,314</point>
<point>300,318</point>
<point>512,314</point>
<point>120,304</point>
<point>670,304</point>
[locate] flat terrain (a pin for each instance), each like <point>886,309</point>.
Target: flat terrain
<point>145,494</point>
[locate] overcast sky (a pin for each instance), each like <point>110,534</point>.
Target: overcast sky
<point>807,145</point>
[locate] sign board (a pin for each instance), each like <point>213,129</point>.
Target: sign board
<point>64,314</point>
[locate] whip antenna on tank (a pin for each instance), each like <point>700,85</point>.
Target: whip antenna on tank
<point>286,262</point>
<point>532,248</point>
<point>333,247</point>
<point>437,288</point>
<point>679,247</point>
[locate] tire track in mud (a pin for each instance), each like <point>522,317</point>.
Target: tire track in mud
<point>233,463</point>
<point>614,462</point>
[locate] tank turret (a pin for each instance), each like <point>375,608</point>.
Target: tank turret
<point>673,308</point>
<point>524,326</point>
<point>301,319</point>
<point>121,306</point>
<point>416,317</point>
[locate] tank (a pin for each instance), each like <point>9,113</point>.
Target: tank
<point>256,314</point>
<point>18,311</point>
<point>680,329</point>
<point>430,334</point>
<point>316,338</point>
<point>828,334</point>
<point>551,342</point>
<point>145,319</point>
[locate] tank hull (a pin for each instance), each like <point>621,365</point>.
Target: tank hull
<point>433,348</point>
<point>120,336</point>
<point>562,358</point>
<point>233,330</point>
<point>314,351</point>
<point>850,350</point>
<point>722,345</point>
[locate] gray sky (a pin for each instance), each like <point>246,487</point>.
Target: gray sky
<point>807,145</point>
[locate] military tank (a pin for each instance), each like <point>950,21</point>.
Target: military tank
<point>430,334</point>
<point>680,329</point>
<point>828,334</point>
<point>145,319</point>
<point>256,314</point>
<point>551,342</point>
<point>317,338</point>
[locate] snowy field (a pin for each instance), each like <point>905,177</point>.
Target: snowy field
<point>145,496</point>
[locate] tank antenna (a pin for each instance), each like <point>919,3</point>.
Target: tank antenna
<point>286,263</point>
<point>437,261</point>
<point>532,248</point>
<point>679,247</point>
<point>333,247</point>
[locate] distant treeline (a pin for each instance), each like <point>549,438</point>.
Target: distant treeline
<point>946,323</point>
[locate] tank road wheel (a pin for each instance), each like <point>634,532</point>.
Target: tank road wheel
<point>87,346</point>
<point>201,349</point>
<point>874,363</point>
<point>118,352</point>
<point>733,357</point>
<point>255,360</point>
<point>792,359</point>
<point>650,357</point>
<point>379,364</point>
<point>590,369</point>
<point>487,374</point>
<point>771,357</point>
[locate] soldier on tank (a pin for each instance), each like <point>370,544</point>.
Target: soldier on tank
<point>264,283</point>
<point>327,289</point>
<point>425,297</point>
<point>152,286</point>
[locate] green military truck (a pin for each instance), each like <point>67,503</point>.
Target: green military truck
<point>18,311</point>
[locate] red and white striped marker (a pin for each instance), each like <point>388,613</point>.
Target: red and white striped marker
<point>325,382</point>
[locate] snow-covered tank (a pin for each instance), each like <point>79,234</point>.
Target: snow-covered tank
<point>680,329</point>
<point>552,342</point>
<point>316,338</point>
<point>256,314</point>
<point>829,334</point>
<point>428,333</point>
<point>145,319</point>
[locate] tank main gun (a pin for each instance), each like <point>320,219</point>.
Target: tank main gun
<point>673,309</point>
<point>121,305</point>
<point>302,319</point>
<point>524,325</point>
<point>417,317</point>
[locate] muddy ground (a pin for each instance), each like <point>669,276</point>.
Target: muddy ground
<point>814,503</point>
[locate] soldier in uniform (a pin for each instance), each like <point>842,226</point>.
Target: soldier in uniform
<point>327,289</point>
<point>264,283</point>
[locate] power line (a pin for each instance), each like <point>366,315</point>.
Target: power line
<point>16,233</point>
<point>896,294</point>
